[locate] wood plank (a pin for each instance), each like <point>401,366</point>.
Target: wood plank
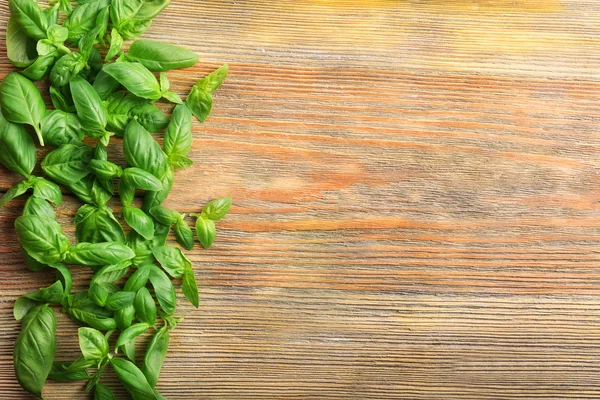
<point>415,203</point>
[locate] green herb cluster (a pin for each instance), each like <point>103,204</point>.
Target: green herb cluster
<point>132,289</point>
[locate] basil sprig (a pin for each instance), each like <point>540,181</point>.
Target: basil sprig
<point>92,102</point>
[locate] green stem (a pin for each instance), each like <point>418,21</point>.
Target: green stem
<point>39,134</point>
<point>63,48</point>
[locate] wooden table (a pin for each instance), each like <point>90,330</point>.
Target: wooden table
<point>416,216</point>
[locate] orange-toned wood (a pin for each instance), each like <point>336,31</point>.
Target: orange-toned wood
<point>416,215</point>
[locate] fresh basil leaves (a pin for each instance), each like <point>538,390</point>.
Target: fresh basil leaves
<point>158,56</point>
<point>34,349</point>
<point>22,102</point>
<point>92,102</point>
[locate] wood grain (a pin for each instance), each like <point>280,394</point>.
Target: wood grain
<point>416,215</point>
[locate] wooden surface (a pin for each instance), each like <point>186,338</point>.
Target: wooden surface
<point>416,216</point>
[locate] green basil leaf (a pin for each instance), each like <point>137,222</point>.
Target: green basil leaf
<point>200,99</point>
<point>163,289</point>
<point>81,364</point>
<point>125,316</point>
<point>19,189</point>
<point>139,221</point>
<point>139,178</point>
<point>84,18</point>
<point>98,253</point>
<point>173,97</point>
<point>184,234</point>
<point>119,108</point>
<point>105,85</point>
<point>102,20</point>
<point>190,287</point>
<point>29,17</point>
<point>61,101</point>
<point>180,162</point>
<point>51,15</point>
<point>87,41</point>
<point>129,334</point>
<point>158,56</point>
<point>116,42</point>
<point>57,33</point>
<point>46,190</point>
<point>165,85</point>
<point>178,137</point>
<point>20,48</point>
<point>34,349</point>
<point>64,276</point>
<point>91,191</point>
<point>153,199</point>
<point>53,293</point>
<point>92,343</point>
<point>95,64</point>
<point>165,215</point>
<point>122,11</point>
<point>150,9</point>
<point>102,191</point>
<point>42,238</point>
<point>60,374</point>
<point>161,233</point>
<point>111,273</point>
<point>106,187</point>
<point>100,152</point>
<point>212,81</point>
<point>133,379</point>
<point>145,308</point>
<point>22,102</point>
<point>98,294</point>
<point>136,78</point>
<point>59,127</point>
<point>66,68</point>
<point>155,356</point>
<point>120,300</point>
<point>90,108</point>
<point>68,164</point>
<point>65,7</point>
<point>22,307</point>
<point>96,225</point>
<point>38,207</point>
<point>92,319</point>
<point>129,350</point>
<point>83,189</point>
<point>32,263</point>
<point>150,117</point>
<point>41,66</point>
<point>217,209</point>
<point>126,192</point>
<point>200,103</point>
<point>134,28</point>
<point>45,47</point>
<point>142,151</point>
<point>206,232</point>
<point>17,150</point>
<point>83,310</point>
<point>34,296</point>
<point>141,247</point>
<point>102,392</point>
<point>172,260</point>
<point>139,279</point>
<point>105,169</point>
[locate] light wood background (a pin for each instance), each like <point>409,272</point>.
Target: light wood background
<point>416,216</point>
